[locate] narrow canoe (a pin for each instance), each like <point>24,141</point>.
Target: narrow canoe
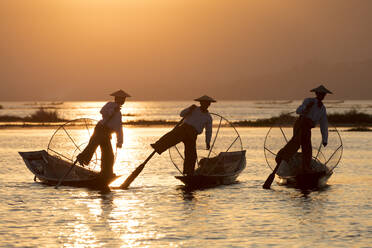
<point>306,181</point>
<point>291,174</point>
<point>220,170</point>
<point>49,170</point>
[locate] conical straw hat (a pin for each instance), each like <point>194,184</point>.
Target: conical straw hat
<point>321,89</point>
<point>205,98</point>
<point>120,93</point>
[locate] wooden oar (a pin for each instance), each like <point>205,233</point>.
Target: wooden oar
<point>65,175</point>
<point>135,173</point>
<point>270,178</point>
<point>138,170</point>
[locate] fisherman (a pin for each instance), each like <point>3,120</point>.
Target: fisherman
<point>312,111</point>
<point>195,119</point>
<point>110,123</point>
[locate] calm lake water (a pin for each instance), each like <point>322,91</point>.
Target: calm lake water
<point>157,212</point>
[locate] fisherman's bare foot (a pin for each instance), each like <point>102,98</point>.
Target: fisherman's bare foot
<point>155,147</point>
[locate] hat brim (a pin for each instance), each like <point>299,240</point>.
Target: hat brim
<point>120,96</point>
<point>204,100</point>
<point>321,91</point>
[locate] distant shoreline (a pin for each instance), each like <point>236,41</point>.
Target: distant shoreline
<point>358,121</point>
<point>344,128</point>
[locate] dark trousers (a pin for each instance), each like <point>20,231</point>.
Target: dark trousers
<point>183,133</point>
<point>301,138</point>
<point>101,137</point>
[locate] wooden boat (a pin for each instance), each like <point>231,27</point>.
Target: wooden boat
<point>220,170</point>
<point>50,169</point>
<point>291,174</point>
<point>306,181</point>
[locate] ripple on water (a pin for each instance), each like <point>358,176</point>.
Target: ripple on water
<point>157,212</point>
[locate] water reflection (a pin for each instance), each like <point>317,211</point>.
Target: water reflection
<point>110,218</point>
<point>128,218</point>
<point>306,192</point>
<point>186,193</point>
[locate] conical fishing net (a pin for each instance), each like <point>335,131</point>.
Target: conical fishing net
<point>278,136</point>
<point>71,138</point>
<point>225,138</point>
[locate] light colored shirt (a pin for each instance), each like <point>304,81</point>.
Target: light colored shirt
<point>316,114</point>
<point>111,118</point>
<point>199,120</point>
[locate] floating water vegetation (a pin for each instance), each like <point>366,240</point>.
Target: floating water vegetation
<point>10,118</point>
<point>129,115</point>
<point>348,118</point>
<point>282,119</point>
<point>359,129</point>
<point>150,122</point>
<point>357,120</point>
<point>41,115</point>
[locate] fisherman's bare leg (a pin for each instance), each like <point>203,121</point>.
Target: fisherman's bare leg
<point>292,146</point>
<point>169,139</point>
<point>306,149</point>
<point>86,155</point>
<point>190,156</point>
<point>107,159</point>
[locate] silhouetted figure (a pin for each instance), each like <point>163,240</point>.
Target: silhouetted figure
<point>111,122</point>
<point>195,120</point>
<point>311,111</point>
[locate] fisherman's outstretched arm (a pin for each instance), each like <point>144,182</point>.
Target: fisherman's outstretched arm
<point>324,127</point>
<point>208,133</point>
<point>119,135</point>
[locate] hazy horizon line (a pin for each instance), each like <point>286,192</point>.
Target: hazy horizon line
<point>179,100</point>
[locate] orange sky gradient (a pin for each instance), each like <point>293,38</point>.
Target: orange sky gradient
<point>181,49</point>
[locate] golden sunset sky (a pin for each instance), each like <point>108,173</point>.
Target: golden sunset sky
<point>181,49</point>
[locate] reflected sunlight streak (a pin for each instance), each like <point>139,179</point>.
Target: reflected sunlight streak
<point>134,230</point>
<point>82,235</point>
<point>124,157</point>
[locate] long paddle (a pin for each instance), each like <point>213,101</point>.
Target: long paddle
<point>270,178</point>
<point>138,170</point>
<point>65,175</point>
